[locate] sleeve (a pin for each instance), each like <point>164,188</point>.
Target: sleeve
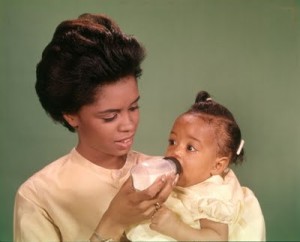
<point>31,222</point>
<point>216,210</point>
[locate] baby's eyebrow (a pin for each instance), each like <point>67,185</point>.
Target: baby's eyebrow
<point>193,138</point>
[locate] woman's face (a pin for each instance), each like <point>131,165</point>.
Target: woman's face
<point>192,142</point>
<point>106,128</point>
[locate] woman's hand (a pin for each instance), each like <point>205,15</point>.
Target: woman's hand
<point>130,207</point>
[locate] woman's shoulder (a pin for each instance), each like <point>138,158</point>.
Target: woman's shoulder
<point>44,176</point>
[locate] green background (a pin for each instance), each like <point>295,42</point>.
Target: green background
<point>244,52</point>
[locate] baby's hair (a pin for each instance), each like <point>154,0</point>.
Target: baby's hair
<point>227,131</point>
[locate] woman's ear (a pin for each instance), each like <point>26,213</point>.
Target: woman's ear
<point>71,119</point>
<point>219,165</point>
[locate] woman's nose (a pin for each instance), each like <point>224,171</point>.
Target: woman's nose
<point>127,123</point>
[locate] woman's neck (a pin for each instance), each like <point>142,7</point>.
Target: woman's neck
<point>104,160</point>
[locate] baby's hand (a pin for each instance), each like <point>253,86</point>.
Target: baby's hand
<point>165,221</point>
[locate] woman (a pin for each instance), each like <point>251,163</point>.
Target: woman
<point>87,81</point>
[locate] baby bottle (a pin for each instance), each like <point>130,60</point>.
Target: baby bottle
<point>146,172</point>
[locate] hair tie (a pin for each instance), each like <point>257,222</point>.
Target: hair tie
<point>240,147</point>
<point>208,99</point>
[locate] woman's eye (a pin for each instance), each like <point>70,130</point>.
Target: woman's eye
<point>109,119</point>
<point>134,108</point>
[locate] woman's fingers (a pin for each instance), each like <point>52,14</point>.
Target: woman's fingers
<point>165,190</point>
<point>136,206</point>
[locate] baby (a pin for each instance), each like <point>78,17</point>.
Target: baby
<point>208,202</point>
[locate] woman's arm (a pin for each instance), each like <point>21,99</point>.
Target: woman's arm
<point>167,222</point>
<point>131,207</point>
<point>31,222</point>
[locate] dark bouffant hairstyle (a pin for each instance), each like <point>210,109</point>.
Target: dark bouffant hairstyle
<point>83,55</point>
<point>227,131</point>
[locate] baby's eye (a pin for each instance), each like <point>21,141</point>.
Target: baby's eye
<point>172,142</point>
<point>191,148</point>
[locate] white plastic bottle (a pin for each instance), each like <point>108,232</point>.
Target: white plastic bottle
<point>146,172</point>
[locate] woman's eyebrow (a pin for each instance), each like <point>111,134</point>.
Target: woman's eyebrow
<point>136,100</point>
<point>115,110</point>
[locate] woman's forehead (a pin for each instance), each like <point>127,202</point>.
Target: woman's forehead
<point>118,92</point>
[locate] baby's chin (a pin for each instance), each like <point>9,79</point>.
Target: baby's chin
<point>182,182</point>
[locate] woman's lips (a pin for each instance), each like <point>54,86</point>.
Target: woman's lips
<point>125,143</point>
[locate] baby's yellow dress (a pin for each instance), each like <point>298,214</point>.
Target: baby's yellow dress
<point>218,199</point>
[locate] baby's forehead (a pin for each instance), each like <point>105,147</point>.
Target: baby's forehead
<point>215,124</point>
<point>197,117</point>
<point>195,128</point>
<point>194,122</point>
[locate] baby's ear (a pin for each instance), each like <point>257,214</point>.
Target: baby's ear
<point>219,165</point>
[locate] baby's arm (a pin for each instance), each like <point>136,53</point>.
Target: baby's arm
<point>167,222</point>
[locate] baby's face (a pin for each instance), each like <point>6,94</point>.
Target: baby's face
<point>192,141</point>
